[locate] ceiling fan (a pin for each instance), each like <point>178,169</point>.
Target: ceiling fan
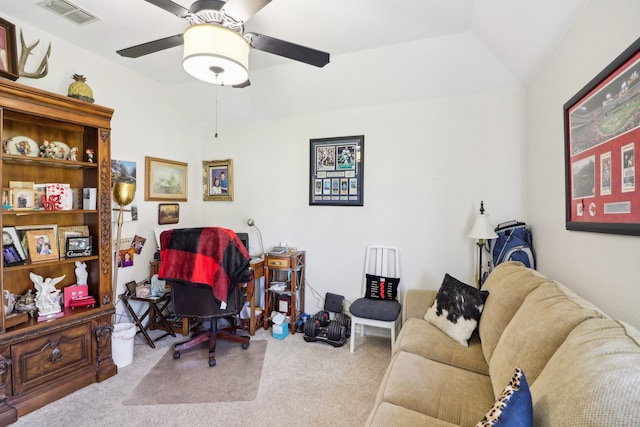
<point>216,46</point>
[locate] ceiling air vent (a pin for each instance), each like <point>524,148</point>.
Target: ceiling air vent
<point>69,11</point>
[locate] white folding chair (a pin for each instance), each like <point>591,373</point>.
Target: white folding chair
<point>380,261</point>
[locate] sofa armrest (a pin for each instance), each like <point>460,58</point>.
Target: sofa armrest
<point>416,303</point>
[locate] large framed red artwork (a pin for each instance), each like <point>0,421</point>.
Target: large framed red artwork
<point>602,139</point>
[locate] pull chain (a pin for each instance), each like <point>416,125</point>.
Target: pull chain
<point>216,134</point>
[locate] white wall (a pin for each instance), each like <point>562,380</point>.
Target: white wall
<point>603,268</point>
<point>434,134</point>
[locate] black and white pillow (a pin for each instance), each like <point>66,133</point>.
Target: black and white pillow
<point>457,309</point>
<point>379,287</point>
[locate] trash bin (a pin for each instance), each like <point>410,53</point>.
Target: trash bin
<point>122,344</point>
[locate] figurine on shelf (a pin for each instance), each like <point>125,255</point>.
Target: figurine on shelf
<point>89,153</point>
<point>47,296</point>
<point>27,303</point>
<point>81,273</point>
<point>73,154</point>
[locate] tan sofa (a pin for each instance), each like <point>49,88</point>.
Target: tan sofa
<point>583,367</point>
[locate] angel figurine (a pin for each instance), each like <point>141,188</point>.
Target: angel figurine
<point>47,296</point>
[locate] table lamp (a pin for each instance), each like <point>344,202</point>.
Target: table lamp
<point>123,194</point>
<point>252,223</point>
<point>481,230</point>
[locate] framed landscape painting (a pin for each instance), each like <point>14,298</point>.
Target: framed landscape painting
<point>165,180</point>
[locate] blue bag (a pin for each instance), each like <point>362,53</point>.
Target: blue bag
<point>514,243</point>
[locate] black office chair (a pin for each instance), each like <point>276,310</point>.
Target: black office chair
<point>198,302</point>
<point>206,268</point>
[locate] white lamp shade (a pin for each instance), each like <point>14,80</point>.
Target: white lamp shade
<point>482,229</point>
<point>215,54</point>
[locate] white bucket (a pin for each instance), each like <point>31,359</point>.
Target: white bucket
<point>122,344</point>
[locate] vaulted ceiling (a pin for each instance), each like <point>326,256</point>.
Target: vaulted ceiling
<point>520,33</point>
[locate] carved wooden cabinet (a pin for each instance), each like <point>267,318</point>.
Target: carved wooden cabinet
<point>43,361</point>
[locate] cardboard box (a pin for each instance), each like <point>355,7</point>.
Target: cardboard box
<point>75,292</point>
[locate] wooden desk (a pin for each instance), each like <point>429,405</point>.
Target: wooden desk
<point>257,271</point>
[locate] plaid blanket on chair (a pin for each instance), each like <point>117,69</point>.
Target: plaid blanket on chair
<point>212,256</point>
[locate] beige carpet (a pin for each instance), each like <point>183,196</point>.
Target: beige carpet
<point>302,384</point>
<point>236,376</point>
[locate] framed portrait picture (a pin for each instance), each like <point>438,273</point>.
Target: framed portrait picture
<point>217,180</point>
<point>69,231</point>
<point>22,198</point>
<point>43,245</point>
<point>337,171</point>
<point>10,236</point>
<point>168,213</point>
<point>8,50</point>
<point>165,180</point>
<point>21,230</point>
<point>602,137</point>
<point>12,251</point>
<point>6,198</point>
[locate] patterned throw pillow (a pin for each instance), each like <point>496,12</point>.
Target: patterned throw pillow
<point>457,309</point>
<point>379,287</point>
<point>513,407</point>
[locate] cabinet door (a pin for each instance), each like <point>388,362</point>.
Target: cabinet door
<point>46,358</point>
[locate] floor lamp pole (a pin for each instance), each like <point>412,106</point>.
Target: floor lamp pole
<point>480,245</point>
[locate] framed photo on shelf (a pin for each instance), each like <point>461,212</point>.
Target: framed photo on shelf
<point>165,180</point>
<point>43,244</point>
<point>10,237</point>
<point>9,54</point>
<point>69,231</point>
<point>337,171</point>
<point>78,246</point>
<point>602,137</point>
<point>168,213</point>
<point>10,256</point>
<point>217,180</point>
<point>21,230</point>
<point>22,198</point>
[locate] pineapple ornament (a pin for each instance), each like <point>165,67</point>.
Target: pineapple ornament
<point>79,89</point>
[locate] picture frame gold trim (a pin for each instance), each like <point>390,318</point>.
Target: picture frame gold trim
<point>165,180</point>
<point>211,170</point>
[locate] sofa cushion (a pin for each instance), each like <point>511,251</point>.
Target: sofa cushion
<point>451,394</point>
<point>380,287</point>
<point>386,414</point>
<point>422,338</point>
<point>592,379</point>
<point>457,309</point>
<point>508,285</point>
<point>513,407</point>
<point>542,323</point>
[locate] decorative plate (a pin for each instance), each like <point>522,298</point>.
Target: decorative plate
<point>21,146</point>
<point>57,150</point>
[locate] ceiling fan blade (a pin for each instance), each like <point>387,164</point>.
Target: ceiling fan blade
<point>288,50</point>
<point>151,47</point>
<point>241,85</point>
<point>243,10</point>
<point>170,7</point>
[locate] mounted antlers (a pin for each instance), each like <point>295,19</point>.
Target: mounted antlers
<point>43,68</point>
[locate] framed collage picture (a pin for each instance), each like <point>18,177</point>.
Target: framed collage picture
<point>337,171</point>
<point>602,137</point>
